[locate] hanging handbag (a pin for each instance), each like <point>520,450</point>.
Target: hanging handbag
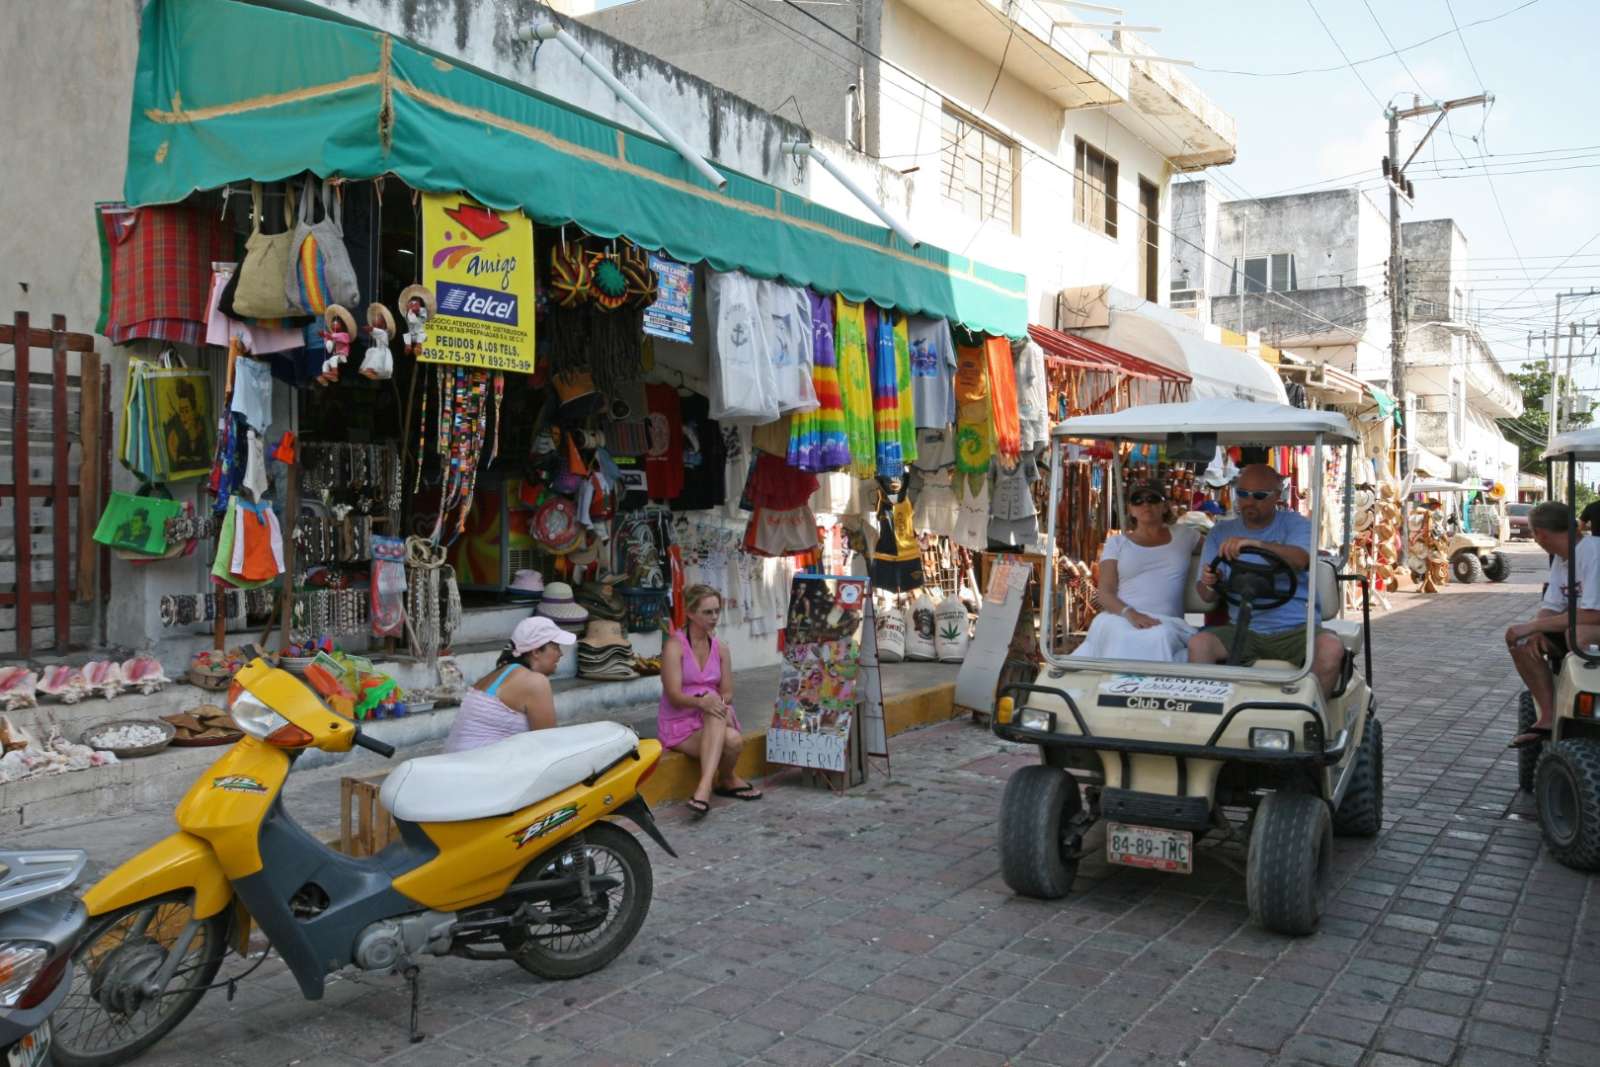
<point>177,406</point>
<point>319,270</point>
<point>136,524</point>
<point>259,293</point>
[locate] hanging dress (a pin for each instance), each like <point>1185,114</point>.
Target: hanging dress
<point>902,369</point>
<point>855,384</point>
<point>817,439</point>
<point>886,401</point>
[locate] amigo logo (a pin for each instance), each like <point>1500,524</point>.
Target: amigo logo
<point>540,827</point>
<point>470,302</point>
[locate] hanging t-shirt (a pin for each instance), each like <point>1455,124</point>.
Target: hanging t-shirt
<point>705,468</point>
<point>663,461</point>
<point>743,386</point>
<point>786,310</point>
<point>933,366</point>
<point>252,392</point>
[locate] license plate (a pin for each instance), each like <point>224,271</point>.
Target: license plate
<point>32,1050</point>
<point>1149,847</point>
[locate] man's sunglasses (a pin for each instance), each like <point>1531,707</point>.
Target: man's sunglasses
<point>1147,498</point>
<point>1257,494</point>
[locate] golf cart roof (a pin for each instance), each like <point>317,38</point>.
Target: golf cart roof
<point>1582,445</point>
<point>1234,421</point>
<point>1439,485</point>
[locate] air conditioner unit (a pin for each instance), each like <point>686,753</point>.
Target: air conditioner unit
<point>1184,299</point>
<point>1461,471</point>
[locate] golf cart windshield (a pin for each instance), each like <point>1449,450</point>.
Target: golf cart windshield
<point>1572,448</point>
<point>1216,423</point>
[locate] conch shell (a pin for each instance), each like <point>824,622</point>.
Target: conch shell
<point>104,677</point>
<point>143,672</point>
<point>64,683</point>
<point>18,688</point>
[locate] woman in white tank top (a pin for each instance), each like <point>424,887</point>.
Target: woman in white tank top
<point>516,695</point>
<point>1142,574</point>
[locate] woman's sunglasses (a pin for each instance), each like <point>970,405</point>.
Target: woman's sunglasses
<point>1256,494</point>
<point>1146,498</point>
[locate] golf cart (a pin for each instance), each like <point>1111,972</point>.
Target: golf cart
<point>1473,554</point>
<point>1170,753</point>
<point>1564,772</point>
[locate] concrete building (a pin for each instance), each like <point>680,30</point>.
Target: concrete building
<point>1023,143</point>
<point>1309,272</point>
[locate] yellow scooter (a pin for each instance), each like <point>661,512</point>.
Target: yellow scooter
<point>504,853</point>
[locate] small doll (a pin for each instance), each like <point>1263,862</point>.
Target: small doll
<point>416,302</point>
<point>378,364</point>
<point>340,326</point>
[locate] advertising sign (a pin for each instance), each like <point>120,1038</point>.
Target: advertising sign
<point>479,264</point>
<point>817,686</point>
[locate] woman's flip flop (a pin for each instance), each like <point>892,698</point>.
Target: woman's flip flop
<point>699,809</point>
<point>744,792</point>
<point>1530,737</point>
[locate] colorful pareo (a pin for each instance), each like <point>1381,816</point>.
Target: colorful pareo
<point>908,414</point>
<point>817,439</point>
<point>855,385</point>
<point>886,401</point>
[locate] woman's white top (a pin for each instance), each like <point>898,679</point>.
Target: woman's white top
<point>1150,580</point>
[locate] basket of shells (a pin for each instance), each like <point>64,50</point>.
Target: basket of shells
<point>128,738</point>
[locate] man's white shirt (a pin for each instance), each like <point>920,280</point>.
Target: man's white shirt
<point>1588,571</point>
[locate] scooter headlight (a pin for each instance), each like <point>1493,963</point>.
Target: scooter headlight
<point>253,716</point>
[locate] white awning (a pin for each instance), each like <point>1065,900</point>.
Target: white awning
<point>1234,421</point>
<point>1217,371</point>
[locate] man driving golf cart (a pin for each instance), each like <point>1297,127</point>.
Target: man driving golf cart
<point>1278,632</point>
<point>1533,644</point>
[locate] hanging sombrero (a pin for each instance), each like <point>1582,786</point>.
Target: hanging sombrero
<point>1364,520</point>
<point>386,320</point>
<point>610,286</point>
<point>571,274</point>
<point>420,292</point>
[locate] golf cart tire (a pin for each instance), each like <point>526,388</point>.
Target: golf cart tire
<point>1497,568</point>
<point>1528,755</point>
<point>1360,813</point>
<point>1291,853</point>
<point>1570,823</point>
<point>1038,804</point>
<point>1466,568</point>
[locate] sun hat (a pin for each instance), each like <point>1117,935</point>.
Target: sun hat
<point>536,632</point>
<point>526,583</point>
<point>602,599</point>
<point>383,314</point>
<point>336,312</point>
<point>422,293</point>
<point>558,605</point>
<point>605,633</point>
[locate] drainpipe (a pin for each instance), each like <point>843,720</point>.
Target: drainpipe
<point>549,31</point>
<point>800,149</point>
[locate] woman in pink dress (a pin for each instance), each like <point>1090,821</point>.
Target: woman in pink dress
<point>696,716</point>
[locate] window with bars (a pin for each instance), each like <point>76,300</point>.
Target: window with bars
<point>978,170</point>
<point>1095,202</point>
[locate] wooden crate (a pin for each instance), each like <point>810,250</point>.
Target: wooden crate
<point>364,827</point>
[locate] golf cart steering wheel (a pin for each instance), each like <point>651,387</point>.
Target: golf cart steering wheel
<point>1256,584</point>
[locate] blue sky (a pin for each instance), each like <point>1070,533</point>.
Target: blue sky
<point>1538,62</point>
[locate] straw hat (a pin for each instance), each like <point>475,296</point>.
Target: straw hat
<point>385,319</point>
<point>338,312</point>
<point>605,633</point>
<point>558,605</point>
<point>421,292</point>
<point>602,600</point>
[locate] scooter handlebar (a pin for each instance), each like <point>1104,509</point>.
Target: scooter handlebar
<point>372,744</point>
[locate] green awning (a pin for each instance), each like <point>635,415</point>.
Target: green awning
<point>1387,408</point>
<point>228,91</point>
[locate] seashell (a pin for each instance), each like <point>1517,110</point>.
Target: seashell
<point>104,677</point>
<point>18,688</point>
<point>64,683</point>
<point>143,672</point>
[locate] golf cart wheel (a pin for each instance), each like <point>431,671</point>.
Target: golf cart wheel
<point>1466,568</point>
<point>1038,838</point>
<point>1497,567</point>
<point>1291,856</point>
<point>1567,788</point>
<point>1528,756</point>
<point>1360,813</point>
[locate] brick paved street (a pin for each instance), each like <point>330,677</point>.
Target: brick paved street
<point>874,929</point>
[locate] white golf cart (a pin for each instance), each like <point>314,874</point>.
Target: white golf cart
<point>1473,554</point>
<point>1170,753</point>
<point>1566,769</point>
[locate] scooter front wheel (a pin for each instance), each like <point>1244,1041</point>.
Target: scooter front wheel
<point>106,1016</point>
<point>577,935</point>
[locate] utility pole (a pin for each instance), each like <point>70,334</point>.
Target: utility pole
<point>1400,187</point>
<point>1552,401</point>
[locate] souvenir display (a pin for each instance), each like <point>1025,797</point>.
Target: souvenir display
<point>338,330</point>
<point>378,363</point>
<point>417,305</point>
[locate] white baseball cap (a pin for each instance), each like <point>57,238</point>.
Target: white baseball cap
<point>535,632</point>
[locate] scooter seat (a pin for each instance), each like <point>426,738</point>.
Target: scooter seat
<point>501,778</point>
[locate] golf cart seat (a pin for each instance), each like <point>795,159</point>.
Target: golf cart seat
<point>1329,600</point>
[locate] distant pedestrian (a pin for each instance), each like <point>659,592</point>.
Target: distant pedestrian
<point>1590,517</point>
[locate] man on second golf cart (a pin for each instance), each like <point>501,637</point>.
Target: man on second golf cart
<point>1532,643</point>
<point>1275,633</point>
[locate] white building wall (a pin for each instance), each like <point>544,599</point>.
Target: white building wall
<point>1049,247</point>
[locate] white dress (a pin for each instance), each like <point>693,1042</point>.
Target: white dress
<point>1150,580</point>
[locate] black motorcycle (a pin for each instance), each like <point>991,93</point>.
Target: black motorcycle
<point>40,922</point>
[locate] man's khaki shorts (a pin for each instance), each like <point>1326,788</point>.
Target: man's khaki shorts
<point>1287,645</point>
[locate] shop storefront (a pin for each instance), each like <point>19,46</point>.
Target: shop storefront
<point>411,352</point>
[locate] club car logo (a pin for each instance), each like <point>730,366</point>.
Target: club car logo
<point>1151,693</point>
<point>238,783</point>
<point>540,827</point>
<point>470,302</point>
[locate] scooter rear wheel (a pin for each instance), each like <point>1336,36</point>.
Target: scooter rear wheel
<point>567,945</point>
<point>105,1018</point>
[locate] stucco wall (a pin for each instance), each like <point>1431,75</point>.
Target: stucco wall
<point>1435,252</point>
<point>1194,223</point>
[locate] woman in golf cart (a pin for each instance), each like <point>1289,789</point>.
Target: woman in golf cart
<point>1140,595</point>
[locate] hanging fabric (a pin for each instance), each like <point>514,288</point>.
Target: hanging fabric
<point>1003,399</point>
<point>886,400</point>
<point>855,383</point>
<point>817,439</point>
<point>903,389</point>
